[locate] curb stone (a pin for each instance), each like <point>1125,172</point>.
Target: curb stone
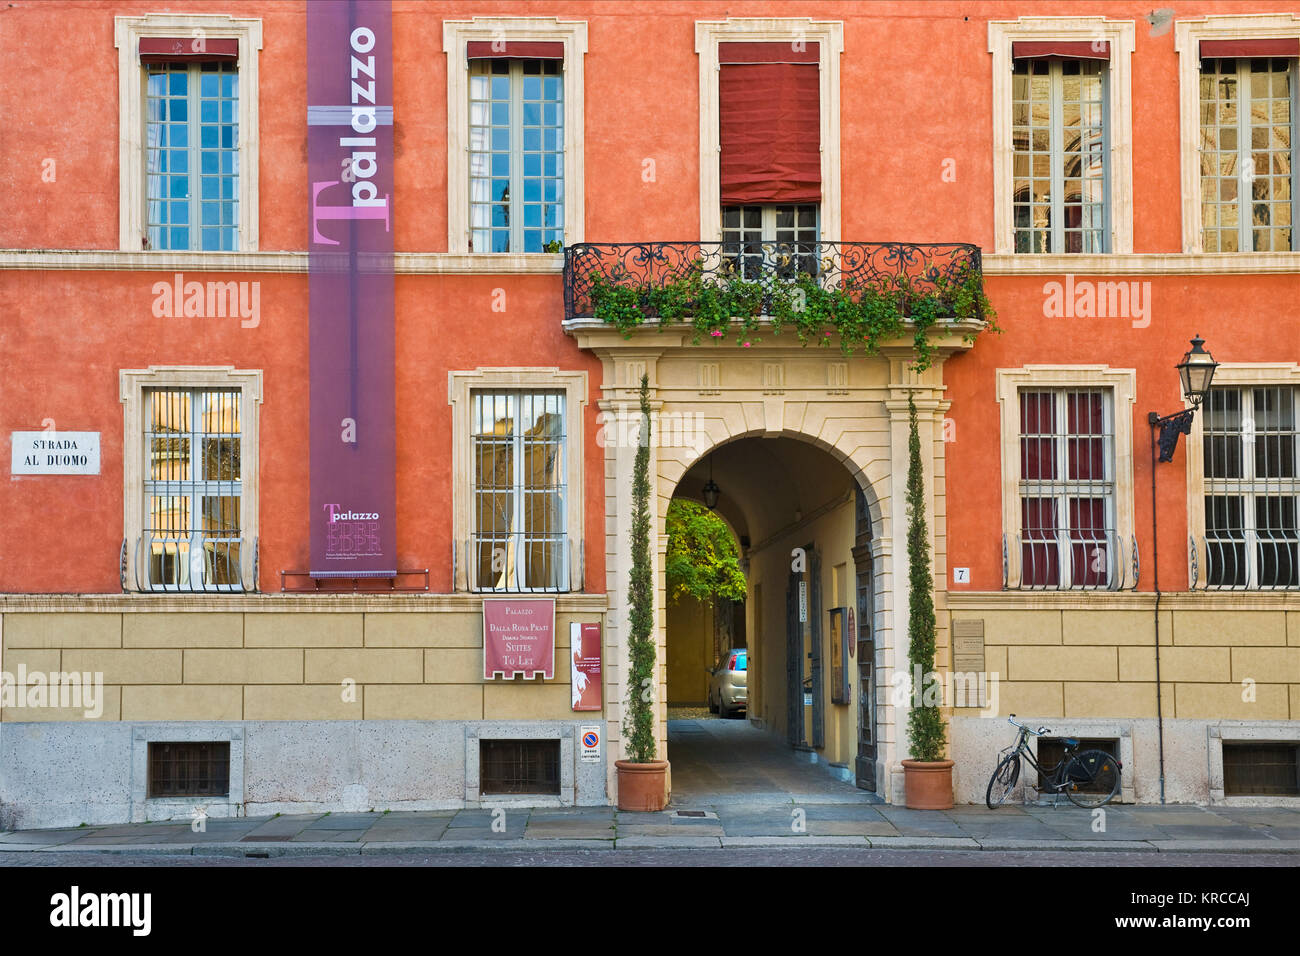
<point>794,840</point>
<point>1226,846</point>
<point>124,849</point>
<point>922,843</point>
<point>670,842</point>
<point>276,849</point>
<point>1128,846</point>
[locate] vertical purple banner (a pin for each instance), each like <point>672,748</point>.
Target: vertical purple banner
<point>350,166</point>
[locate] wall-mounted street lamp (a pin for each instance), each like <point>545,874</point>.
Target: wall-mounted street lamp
<point>1196,371</point>
<point>711,489</point>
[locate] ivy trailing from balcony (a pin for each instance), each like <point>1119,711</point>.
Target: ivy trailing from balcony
<point>861,313</point>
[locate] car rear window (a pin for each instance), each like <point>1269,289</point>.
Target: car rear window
<point>738,662</point>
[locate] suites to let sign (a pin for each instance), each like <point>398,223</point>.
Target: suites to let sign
<point>518,637</point>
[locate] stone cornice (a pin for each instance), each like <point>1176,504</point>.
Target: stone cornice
<point>465,603</point>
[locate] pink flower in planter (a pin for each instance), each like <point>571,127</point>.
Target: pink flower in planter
<point>747,344</point>
<point>716,333</point>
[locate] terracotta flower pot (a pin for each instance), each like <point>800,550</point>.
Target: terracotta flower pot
<point>928,784</point>
<point>642,787</point>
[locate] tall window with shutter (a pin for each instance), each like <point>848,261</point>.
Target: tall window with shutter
<point>1248,151</point>
<point>516,142</point>
<point>1060,143</point>
<point>191,142</point>
<point>769,117</point>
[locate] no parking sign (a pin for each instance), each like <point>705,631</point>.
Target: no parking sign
<point>590,743</point>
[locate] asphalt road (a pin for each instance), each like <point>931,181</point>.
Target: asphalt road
<point>780,857</point>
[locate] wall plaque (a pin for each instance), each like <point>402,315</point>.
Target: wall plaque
<point>55,453</point>
<point>968,645</point>
<point>518,637</point>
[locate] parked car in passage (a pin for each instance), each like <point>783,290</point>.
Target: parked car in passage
<point>728,688</point>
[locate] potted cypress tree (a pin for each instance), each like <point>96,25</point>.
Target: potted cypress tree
<point>642,779</point>
<point>927,776</point>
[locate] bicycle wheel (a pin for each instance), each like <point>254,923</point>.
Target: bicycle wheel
<point>1091,778</point>
<point>1003,780</point>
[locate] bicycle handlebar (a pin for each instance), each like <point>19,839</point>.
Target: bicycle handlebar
<point>1041,731</point>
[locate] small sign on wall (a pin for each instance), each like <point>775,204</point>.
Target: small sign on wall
<point>584,653</point>
<point>840,690</point>
<point>518,637</point>
<point>590,743</point>
<point>54,453</point>
<point>968,645</point>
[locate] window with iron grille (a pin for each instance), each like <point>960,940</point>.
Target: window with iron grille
<point>1248,154</point>
<point>519,766</point>
<point>516,158</point>
<point>1067,489</point>
<point>1263,769</point>
<point>192,155</point>
<point>519,540</point>
<point>189,769</point>
<point>1060,163</point>
<point>1252,488</point>
<point>192,489</point>
<point>781,239</point>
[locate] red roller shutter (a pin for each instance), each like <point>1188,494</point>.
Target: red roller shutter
<point>760,52</point>
<point>515,49</point>
<point>188,50</point>
<point>1073,49</point>
<point>769,117</point>
<point>1225,48</point>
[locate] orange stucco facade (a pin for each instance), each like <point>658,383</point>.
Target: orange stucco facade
<point>916,166</point>
<point>917,117</point>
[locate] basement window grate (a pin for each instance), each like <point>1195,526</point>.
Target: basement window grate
<point>1261,770</point>
<point>519,766</point>
<point>189,769</point>
<point>1051,751</point>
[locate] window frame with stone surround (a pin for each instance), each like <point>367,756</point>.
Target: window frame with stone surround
<point>1227,375</point>
<point>1188,35</point>
<point>461,387</point>
<point>456,35</point>
<point>829,34</point>
<point>133,386</point>
<point>132,219</point>
<point>1119,99</point>
<point>1121,384</point>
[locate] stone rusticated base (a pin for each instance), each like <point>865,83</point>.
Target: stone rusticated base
<point>1193,753</point>
<point>60,774</point>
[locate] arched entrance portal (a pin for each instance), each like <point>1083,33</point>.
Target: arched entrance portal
<point>803,529</point>
<point>789,430</point>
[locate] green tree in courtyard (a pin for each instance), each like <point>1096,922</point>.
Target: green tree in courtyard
<point>702,561</point>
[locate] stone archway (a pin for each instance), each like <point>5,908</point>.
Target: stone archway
<point>855,411</point>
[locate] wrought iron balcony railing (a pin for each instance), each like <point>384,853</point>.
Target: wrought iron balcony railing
<point>911,269</point>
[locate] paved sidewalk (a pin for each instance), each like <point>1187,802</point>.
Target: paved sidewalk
<point>701,826</point>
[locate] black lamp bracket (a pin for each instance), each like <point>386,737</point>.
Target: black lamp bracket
<point>1171,426</point>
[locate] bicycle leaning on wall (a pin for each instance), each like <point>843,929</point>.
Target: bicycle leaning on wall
<point>1089,778</point>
